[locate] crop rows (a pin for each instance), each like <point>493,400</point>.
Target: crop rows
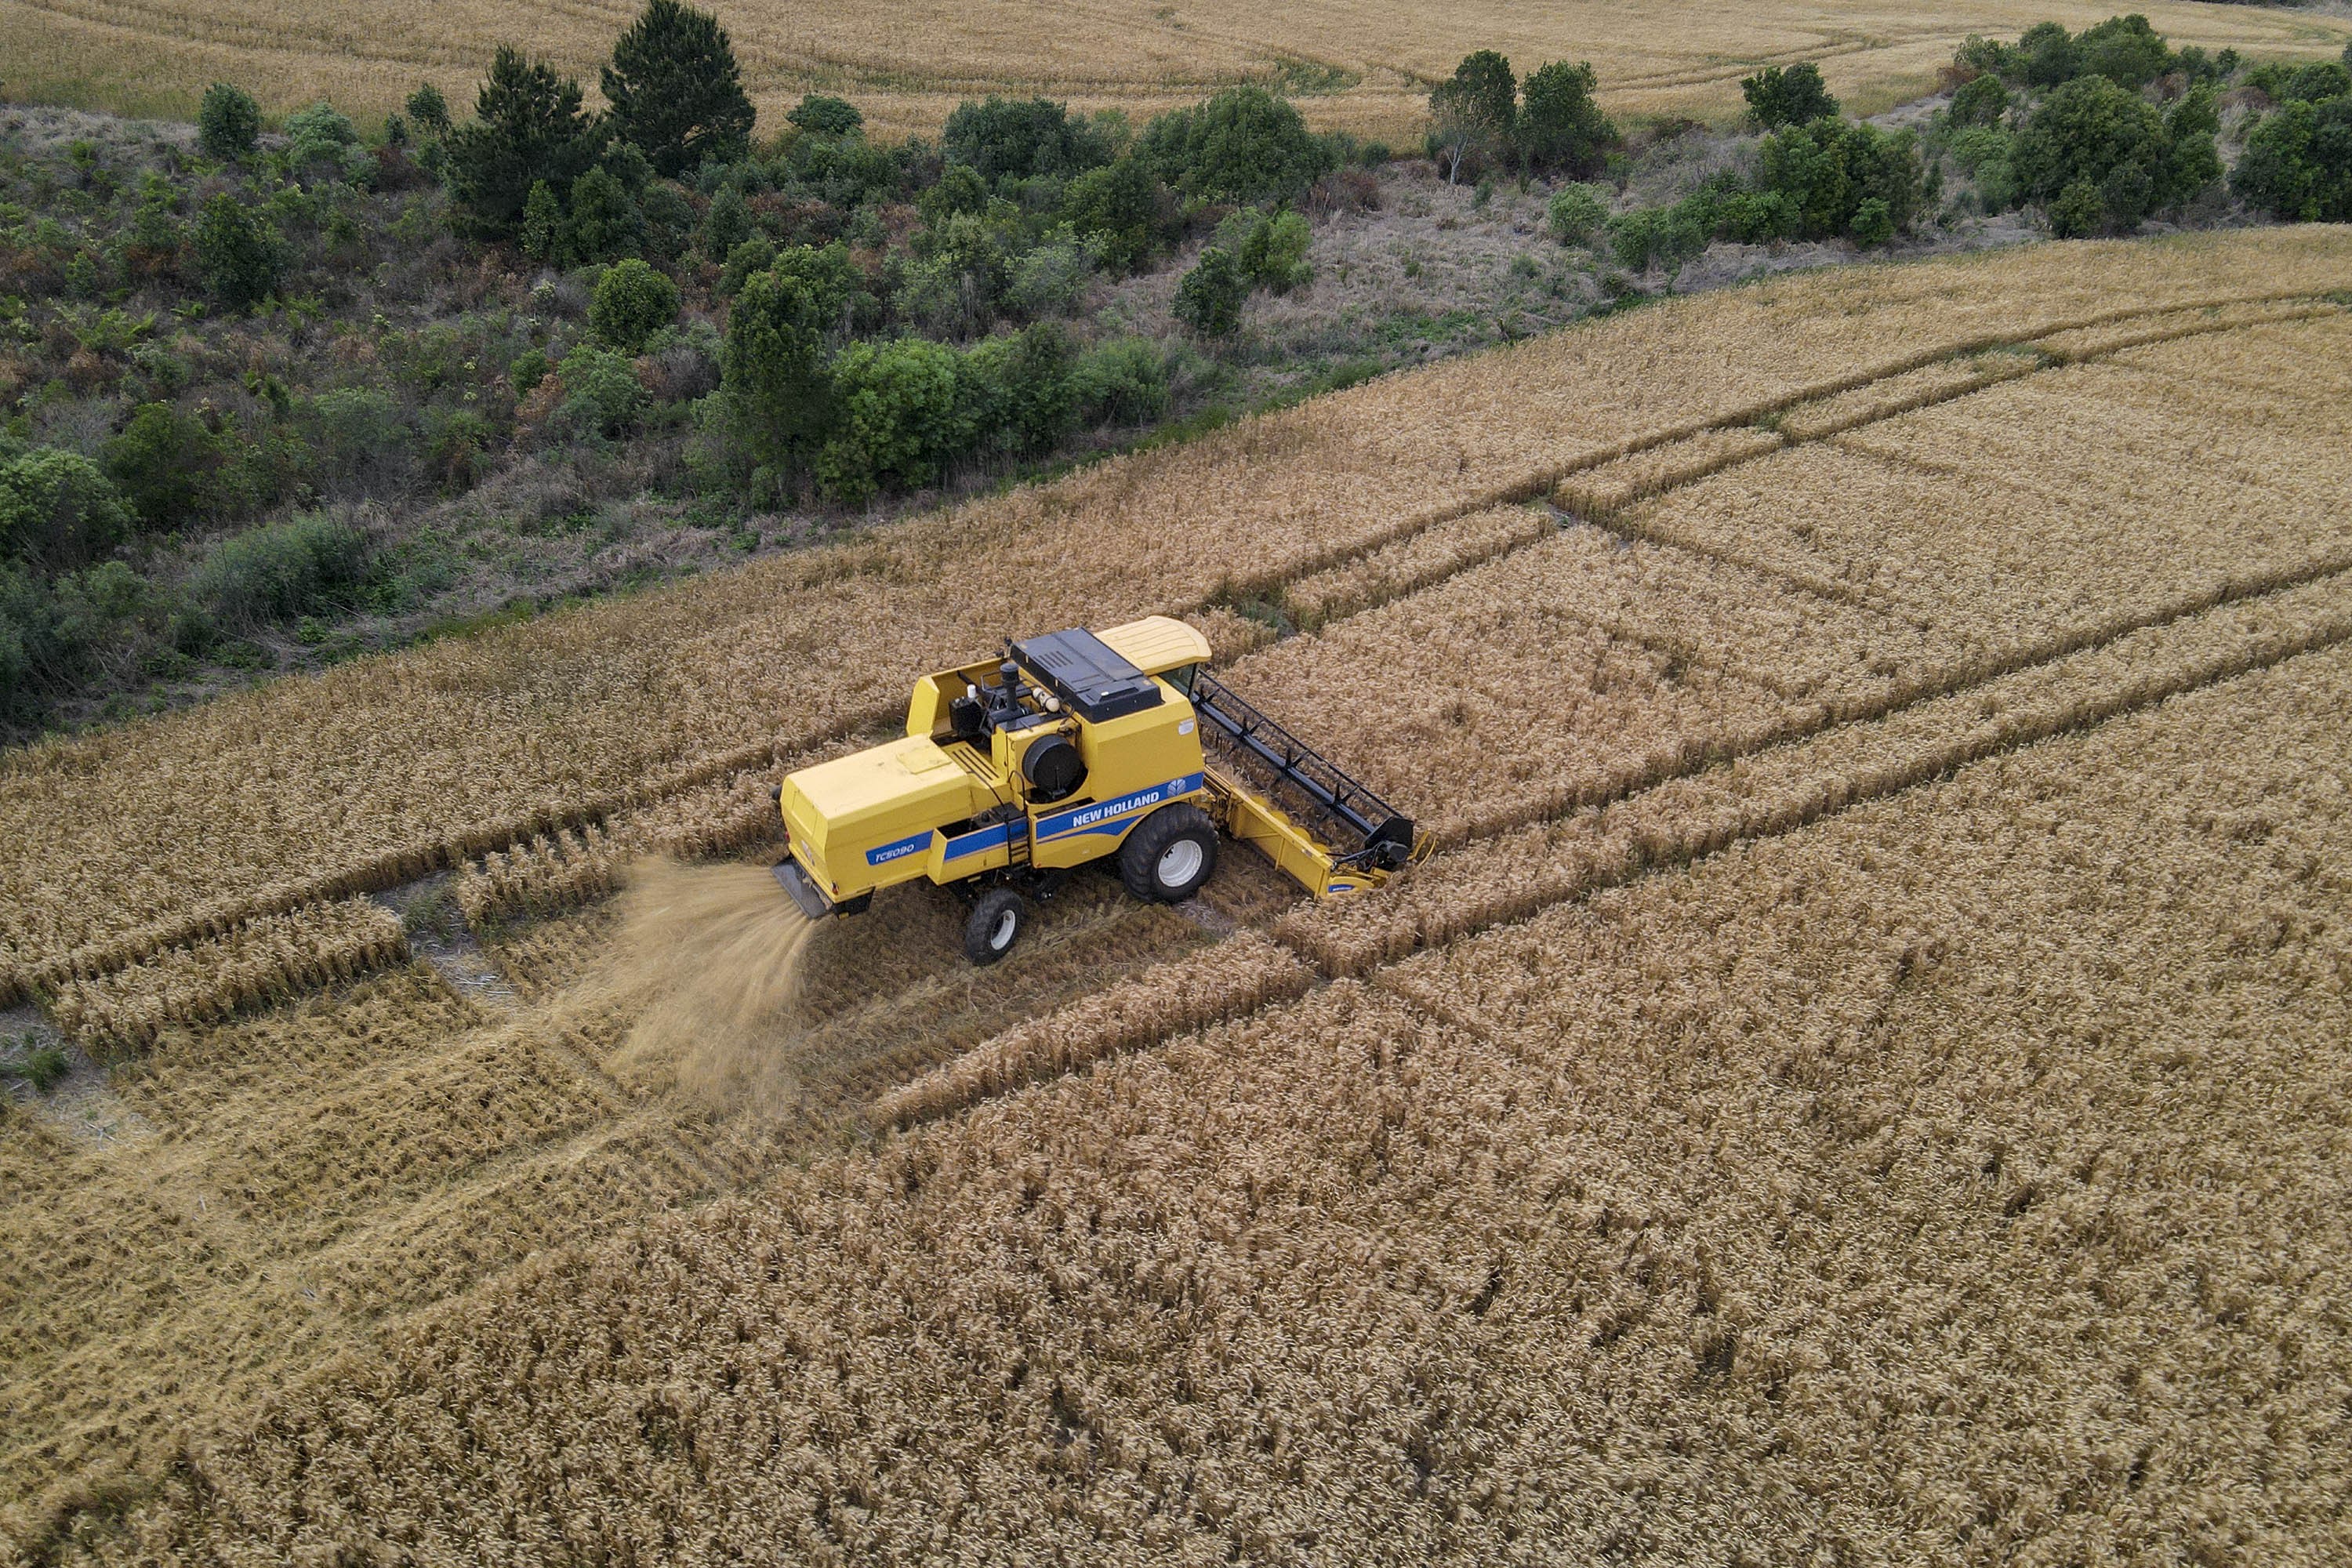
<point>263,961</point>
<point>375,773</point>
<point>1958,1178</point>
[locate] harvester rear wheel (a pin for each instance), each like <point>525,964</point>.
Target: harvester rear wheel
<point>998,918</point>
<point>1167,858</point>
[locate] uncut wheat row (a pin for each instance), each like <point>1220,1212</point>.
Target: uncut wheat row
<point>1512,874</point>
<point>1953,1180</point>
<point>380,771</point>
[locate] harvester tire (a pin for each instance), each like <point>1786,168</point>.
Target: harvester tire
<point>998,918</point>
<point>1167,858</point>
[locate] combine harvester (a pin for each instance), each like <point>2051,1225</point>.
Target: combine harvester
<point>1077,746</point>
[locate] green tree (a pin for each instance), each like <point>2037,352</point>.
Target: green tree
<point>632,303</point>
<point>2124,50</point>
<point>819,115</point>
<point>2297,165</point>
<point>1017,393</point>
<point>163,463</point>
<point>429,109</point>
<point>542,224</point>
<point>1273,253</point>
<point>726,224</point>
<point>1981,100</point>
<point>1474,112</point>
<point>527,127</point>
<point>1243,145</point>
<point>1560,127</point>
<point>1209,298</point>
<point>1020,138</point>
<point>2089,132</point>
<point>2045,56</point>
<point>605,221</point>
<point>1795,95</point>
<point>228,122</point>
<point>898,422</point>
<point>773,368</point>
<point>675,90</point>
<point>58,511</point>
<point>1121,210</point>
<point>238,252</point>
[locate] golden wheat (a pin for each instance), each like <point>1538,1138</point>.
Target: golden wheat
<point>1354,66</point>
<point>1955,1179</point>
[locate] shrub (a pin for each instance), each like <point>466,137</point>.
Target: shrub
<point>58,509</point>
<point>821,116</point>
<point>756,254</point>
<point>228,122</point>
<point>319,134</point>
<point>1120,211</point>
<point>1051,279</point>
<point>1873,225</point>
<point>1980,101</point>
<point>2297,164</point>
<point>2045,56</point>
<point>2076,211</point>
<point>1560,127</point>
<point>163,463</point>
<point>2088,131</point>
<point>1575,214</point>
<point>1122,382</point>
<point>275,574</point>
<point>897,425</point>
<point>238,252</point>
<point>2123,49</point>
<point>726,224</point>
<point>1795,95</point>
<point>429,109</point>
<point>1021,138</point>
<point>633,301</point>
<point>529,369</point>
<point>356,434</point>
<point>1272,253</point>
<point>605,221</point>
<point>527,127</point>
<point>675,90</point>
<point>1209,298</point>
<point>1243,145</point>
<point>1015,392</point>
<point>601,395</point>
<point>1825,171</point>
<point>542,224</point>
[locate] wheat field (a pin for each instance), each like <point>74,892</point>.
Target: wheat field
<point>1352,66</point>
<point>1861,1078</point>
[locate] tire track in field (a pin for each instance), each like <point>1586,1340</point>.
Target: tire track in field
<point>120,952</point>
<point>1810,793</point>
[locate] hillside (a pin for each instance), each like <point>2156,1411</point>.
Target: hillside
<point>1875,727</point>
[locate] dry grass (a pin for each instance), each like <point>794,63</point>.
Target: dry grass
<point>1362,67</point>
<point>378,771</point>
<point>1959,1179</point>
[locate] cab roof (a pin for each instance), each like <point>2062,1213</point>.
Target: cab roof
<point>1157,644</point>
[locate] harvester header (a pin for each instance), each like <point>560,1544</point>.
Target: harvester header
<point>1075,746</point>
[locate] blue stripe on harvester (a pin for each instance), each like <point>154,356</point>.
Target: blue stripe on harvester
<point>979,842</point>
<point>1113,816</point>
<point>883,854</point>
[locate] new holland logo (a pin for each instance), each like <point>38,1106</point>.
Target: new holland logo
<point>1112,815</point>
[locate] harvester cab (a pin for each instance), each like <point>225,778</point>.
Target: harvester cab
<point>1071,747</point>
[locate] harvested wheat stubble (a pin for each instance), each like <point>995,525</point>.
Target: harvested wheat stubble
<point>1600,493</point>
<point>383,770</point>
<point>1241,974</point>
<point>1394,570</point>
<point>1959,1179</point>
<point>262,961</point>
<point>1514,874</point>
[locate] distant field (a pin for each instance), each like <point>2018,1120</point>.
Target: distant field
<point>1357,66</point>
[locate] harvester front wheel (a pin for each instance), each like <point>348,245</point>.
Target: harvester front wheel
<point>998,918</point>
<point>1171,854</point>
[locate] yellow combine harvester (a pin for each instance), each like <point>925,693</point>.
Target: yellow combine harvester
<point>1075,746</point>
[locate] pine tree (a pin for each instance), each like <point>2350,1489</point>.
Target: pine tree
<point>676,91</point>
<point>527,127</point>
